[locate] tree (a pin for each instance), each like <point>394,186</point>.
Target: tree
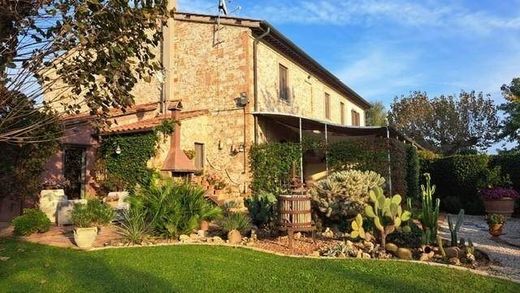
<point>89,53</point>
<point>510,128</point>
<point>376,115</point>
<point>447,124</point>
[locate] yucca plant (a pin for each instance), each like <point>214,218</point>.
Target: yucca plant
<point>235,221</point>
<point>135,226</point>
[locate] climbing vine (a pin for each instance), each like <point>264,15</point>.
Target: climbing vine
<point>271,165</point>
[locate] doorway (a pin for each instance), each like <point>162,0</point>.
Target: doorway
<point>74,170</point>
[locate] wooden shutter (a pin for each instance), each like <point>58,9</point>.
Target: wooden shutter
<point>327,106</point>
<point>342,113</point>
<point>199,156</point>
<point>284,87</point>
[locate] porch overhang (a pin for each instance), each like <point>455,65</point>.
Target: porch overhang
<point>310,124</point>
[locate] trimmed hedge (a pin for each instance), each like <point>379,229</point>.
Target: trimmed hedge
<point>510,164</point>
<point>456,178</point>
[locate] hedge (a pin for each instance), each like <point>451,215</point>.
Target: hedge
<point>510,164</point>
<point>456,179</point>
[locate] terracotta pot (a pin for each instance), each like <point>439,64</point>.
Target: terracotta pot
<point>504,206</point>
<point>204,225</point>
<point>85,237</point>
<point>496,229</point>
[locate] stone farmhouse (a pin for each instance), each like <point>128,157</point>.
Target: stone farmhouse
<point>231,83</point>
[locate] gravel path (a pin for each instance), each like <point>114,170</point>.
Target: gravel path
<point>504,251</point>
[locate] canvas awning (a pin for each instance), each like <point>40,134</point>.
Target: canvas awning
<point>310,124</point>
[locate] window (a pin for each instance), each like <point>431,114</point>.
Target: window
<point>342,112</point>
<point>327,106</point>
<point>199,156</point>
<point>284,86</point>
<point>356,121</point>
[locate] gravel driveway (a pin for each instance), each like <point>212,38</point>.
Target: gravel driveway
<point>504,251</point>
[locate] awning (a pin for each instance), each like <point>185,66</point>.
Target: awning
<point>310,124</point>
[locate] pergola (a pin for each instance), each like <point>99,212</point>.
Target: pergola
<point>328,128</point>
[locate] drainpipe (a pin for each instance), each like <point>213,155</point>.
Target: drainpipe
<point>389,157</point>
<point>255,77</point>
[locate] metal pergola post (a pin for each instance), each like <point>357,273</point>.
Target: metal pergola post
<point>301,150</point>
<point>389,157</point>
<point>326,147</point>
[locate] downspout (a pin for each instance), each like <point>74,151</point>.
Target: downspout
<point>255,77</point>
<point>389,157</point>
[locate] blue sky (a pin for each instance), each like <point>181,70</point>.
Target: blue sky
<point>386,48</point>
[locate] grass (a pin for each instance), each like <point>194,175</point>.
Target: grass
<point>36,268</point>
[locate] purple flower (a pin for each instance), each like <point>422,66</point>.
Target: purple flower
<point>498,193</point>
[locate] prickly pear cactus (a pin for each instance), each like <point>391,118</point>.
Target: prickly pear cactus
<point>345,193</point>
<point>357,228</point>
<point>386,212</point>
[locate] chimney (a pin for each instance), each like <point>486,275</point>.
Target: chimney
<point>177,161</point>
<point>168,57</point>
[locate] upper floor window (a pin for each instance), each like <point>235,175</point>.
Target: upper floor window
<point>356,120</point>
<point>327,106</point>
<point>284,83</point>
<point>342,112</point>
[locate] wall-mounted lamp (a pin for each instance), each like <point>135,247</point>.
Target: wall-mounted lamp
<point>242,100</point>
<point>316,131</point>
<point>118,150</point>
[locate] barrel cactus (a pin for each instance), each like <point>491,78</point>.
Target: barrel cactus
<point>386,212</point>
<point>345,193</point>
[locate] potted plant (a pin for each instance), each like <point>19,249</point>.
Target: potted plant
<point>496,192</point>
<point>85,230</point>
<point>88,219</point>
<point>496,224</point>
<point>234,224</point>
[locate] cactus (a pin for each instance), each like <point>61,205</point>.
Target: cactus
<point>470,248</point>
<point>429,212</point>
<point>357,228</point>
<point>441,246</point>
<point>386,213</point>
<point>455,229</point>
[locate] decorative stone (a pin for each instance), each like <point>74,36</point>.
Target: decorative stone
<point>365,255</point>
<point>426,256</point>
<point>234,237</point>
<point>297,235</point>
<point>315,253</point>
<point>64,210</point>
<point>454,261</point>
<point>452,252</point>
<point>328,233</point>
<point>368,246</point>
<point>404,253</point>
<point>217,240</point>
<point>201,233</point>
<point>391,247</point>
<point>184,238</point>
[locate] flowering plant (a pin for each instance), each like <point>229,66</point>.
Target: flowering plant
<point>498,193</point>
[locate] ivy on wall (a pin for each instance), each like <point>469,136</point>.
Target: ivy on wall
<point>125,170</point>
<point>271,166</point>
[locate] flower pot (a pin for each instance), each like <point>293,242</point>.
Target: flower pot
<point>504,206</point>
<point>496,229</point>
<point>204,225</point>
<point>85,237</point>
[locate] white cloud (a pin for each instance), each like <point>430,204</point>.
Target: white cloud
<point>379,71</point>
<point>369,12</point>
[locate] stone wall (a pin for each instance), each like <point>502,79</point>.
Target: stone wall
<point>306,91</point>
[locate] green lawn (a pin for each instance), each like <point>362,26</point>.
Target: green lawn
<point>34,268</point>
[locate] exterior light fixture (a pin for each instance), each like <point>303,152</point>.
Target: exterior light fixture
<point>316,131</point>
<point>118,150</point>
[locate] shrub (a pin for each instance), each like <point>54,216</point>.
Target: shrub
<point>412,172</point>
<point>345,193</point>
<point>262,208</point>
<point>509,164</point>
<point>173,208</point>
<point>135,226</point>
<point>32,221</point>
